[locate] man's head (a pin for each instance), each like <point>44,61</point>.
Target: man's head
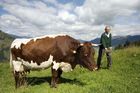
<point>107,29</point>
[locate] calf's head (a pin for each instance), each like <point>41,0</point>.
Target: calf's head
<point>85,55</point>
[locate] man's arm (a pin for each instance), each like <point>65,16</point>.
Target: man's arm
<point>110,41</point>
<point>103,41</point>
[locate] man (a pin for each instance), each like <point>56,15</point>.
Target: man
<point>105,46</point>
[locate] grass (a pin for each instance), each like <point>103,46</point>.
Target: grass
<point>124,77</point>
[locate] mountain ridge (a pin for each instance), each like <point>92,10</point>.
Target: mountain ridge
<point>116,40</point>
<point>6,40</point>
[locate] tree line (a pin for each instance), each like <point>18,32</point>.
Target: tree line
<point>128,44</point>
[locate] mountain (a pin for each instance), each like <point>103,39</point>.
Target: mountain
<point>116,40</point>
<point>82,41</point>
<point>5,41</point>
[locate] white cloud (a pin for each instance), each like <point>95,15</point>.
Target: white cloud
<point>29,14</point>
<point>105,11</point>
<point>9,20</point>
<point>66,16</point>
<point>39,17</point>
<point>126,29</point>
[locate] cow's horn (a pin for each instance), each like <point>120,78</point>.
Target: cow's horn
<point>81,44</point>
<point>74,51</point>
<point>95,44</point>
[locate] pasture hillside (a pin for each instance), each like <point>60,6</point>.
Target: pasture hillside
<point>124,77</point>
<point>5,41</point>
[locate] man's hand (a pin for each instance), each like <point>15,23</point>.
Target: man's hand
<point>108,50</point>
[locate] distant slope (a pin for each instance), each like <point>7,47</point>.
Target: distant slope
<point>116,40</point>
<point>5,41</point>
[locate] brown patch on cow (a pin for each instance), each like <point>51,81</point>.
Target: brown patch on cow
<point>39,51</point>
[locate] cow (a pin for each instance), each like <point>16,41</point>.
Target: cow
<point>61,52</point>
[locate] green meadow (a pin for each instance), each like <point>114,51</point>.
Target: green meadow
<point>124,77</point>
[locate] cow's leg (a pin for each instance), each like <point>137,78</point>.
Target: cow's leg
<point>23,78</point>
<point>58,76</point>
<point>20,78</point>
<point>16,75</point>
<point>55,77</point>
<point>19,73</point>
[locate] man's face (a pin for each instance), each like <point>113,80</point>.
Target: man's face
<point>107,30</point>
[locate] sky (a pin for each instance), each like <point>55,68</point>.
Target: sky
<point>81,19</point>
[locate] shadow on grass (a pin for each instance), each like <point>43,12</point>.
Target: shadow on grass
<point>39,80</point>
<point>104,67</point>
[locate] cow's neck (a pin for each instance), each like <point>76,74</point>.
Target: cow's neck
<point>73,64</point>
<point>76,61</point>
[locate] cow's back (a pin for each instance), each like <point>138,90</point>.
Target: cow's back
<point>37,50</point>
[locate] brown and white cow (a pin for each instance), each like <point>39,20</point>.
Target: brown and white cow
<point>62,53</point>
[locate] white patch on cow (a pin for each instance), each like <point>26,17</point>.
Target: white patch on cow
<point>66,67</point>
<point>20,64</point>
<point>56,65</point>
<point>17,43</point>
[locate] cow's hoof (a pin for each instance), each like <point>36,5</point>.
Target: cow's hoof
<point>95,69</point>
<point>98,69</point>
<point>53,86</point>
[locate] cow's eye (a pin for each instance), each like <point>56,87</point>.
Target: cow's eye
<point>85,54</point>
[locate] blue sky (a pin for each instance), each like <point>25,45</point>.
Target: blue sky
<point>76,2</point>
<point>2,11</point>
<point>81,19</point>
